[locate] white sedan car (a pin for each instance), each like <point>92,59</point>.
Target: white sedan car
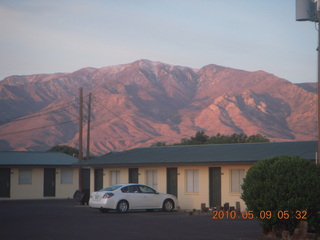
<point>123,197</point>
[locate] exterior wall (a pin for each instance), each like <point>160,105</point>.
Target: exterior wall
<point>187,200</point>
<point>193,200</point>
<point>107,176</point>
<point>66,190</point>
<point>35,189</point>
<point>226,194</point>
<point>161,177</point>
<point>26,191</point>
<point>124,176</point>
<point>92,180</point>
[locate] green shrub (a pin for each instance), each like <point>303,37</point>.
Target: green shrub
<point>280,184</point>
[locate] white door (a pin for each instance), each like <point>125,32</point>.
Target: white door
<point>131,193</point>
<point>150,198</point>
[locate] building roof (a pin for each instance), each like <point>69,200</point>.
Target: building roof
<point>24,158</point>
<point>245,153</point>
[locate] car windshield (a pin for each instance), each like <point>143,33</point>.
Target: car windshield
<point>111,188</point>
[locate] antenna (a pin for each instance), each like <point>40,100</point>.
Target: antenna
<point>309,10</point>
<point>306,10</point>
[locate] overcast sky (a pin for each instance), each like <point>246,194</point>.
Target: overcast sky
<point>45,36</point>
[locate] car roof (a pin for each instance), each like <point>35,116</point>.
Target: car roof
<point>130,184</point>
<point>121,185</point>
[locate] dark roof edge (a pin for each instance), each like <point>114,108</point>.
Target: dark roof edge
<point>166,164</point>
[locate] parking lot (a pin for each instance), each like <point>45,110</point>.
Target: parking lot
<point>66,219</point>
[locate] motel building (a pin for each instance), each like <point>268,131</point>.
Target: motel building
<point>196,174</point>
<point>37,175</point>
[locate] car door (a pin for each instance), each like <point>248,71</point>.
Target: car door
<point>132,195</point>
<point>150,197</point>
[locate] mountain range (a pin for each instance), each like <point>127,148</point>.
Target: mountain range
<point>144,102</point>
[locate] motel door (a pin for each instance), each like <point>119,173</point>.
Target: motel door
<point>85,184</point>
<point>85,179</point>
<point>133,175</point>
<point>98,179</point>
<point>172,181</point>
<point>5,182</point>
<point>49,184</point>
<point>214,186</point>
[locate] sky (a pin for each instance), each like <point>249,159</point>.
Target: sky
<point>45,36</point>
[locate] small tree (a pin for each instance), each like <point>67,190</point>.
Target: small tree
<point>257,138</point>
<point>283,185</point>
<point>185,141</point>
<point>199,138</point>
<point>65,149</point>
<point>238,138</point>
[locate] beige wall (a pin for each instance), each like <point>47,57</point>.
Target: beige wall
<point>26,191</point>
<point>186,200</point>
<point>193,200</point>
<point>161,177</point>
<point>124,176</point>
<point>226,194</point>
<point>35,189</point>
<point>64,190</point>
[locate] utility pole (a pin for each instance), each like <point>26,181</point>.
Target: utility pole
<point>80,124</point>
<point>88,131</point>
<point>309,10</point>
<point>318,14</point>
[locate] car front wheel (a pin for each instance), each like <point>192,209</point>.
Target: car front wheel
<point>168,205</point>
<point>122,206</point>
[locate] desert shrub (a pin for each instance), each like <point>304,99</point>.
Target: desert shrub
<point>280,184</point>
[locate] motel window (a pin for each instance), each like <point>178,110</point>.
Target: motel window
<point>192,180</point>
<point>152,178</point>
<point>114,177</point>
<point>237,176</point>
<point>66,176</point>
<point>25,176</point>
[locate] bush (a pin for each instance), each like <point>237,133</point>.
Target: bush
<point>64,149</point>
<point>280,184</point>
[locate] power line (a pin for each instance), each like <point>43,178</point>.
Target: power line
<point>47,111</point>
<point>42,114</point>
<point>116,115</point>
<point>32,129</point>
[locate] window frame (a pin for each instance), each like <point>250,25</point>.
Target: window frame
<point>237,180</point>
<point>66,176</point>
<point>152,178</point>
<point>117,177</point>
<point>25,176</point>
<point>192,181</point>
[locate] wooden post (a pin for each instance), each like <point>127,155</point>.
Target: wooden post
<point>203,207</point>
<point>238,208</point>
<point>318,13</point>
<point>226,206</point>
<point>80,124</point>
<point>80,157</point>
<point>88,130</point>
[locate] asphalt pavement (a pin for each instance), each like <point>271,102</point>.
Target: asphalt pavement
<point>66,219</point>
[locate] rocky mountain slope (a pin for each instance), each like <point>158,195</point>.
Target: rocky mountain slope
<point>144,102</point>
